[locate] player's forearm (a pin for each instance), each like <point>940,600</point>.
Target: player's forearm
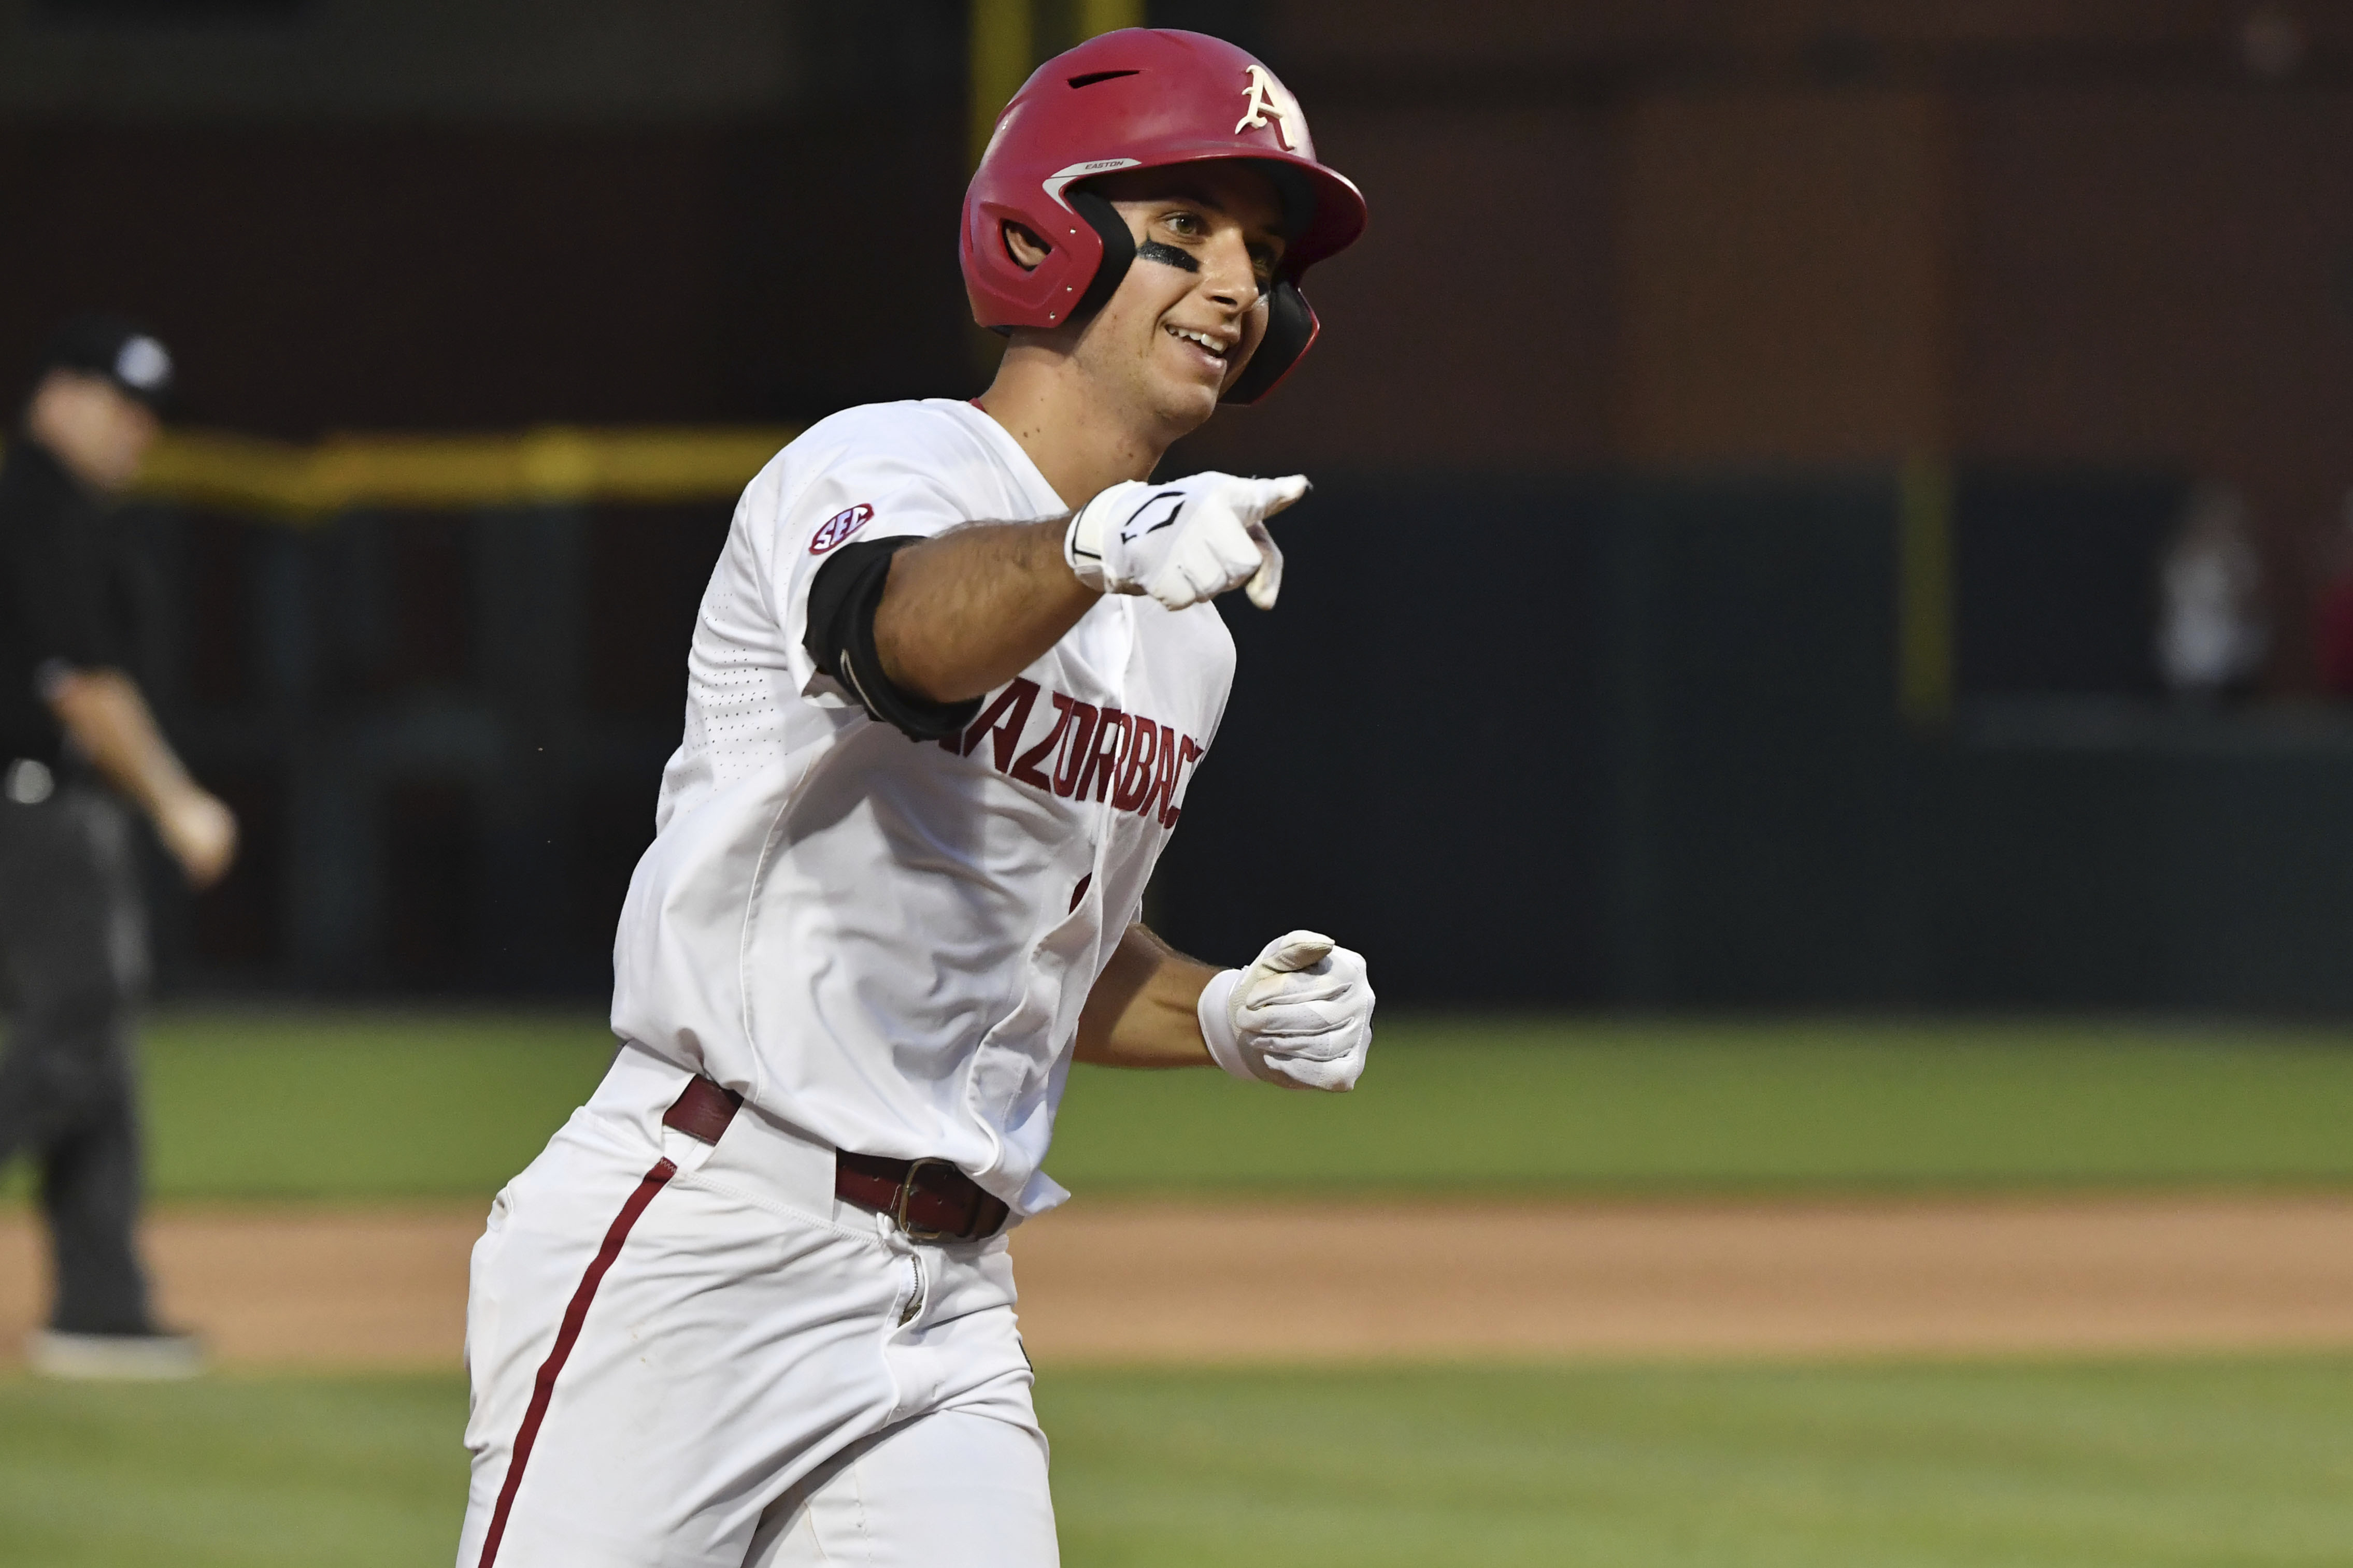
<point>1144,1011</point>
<point>966,612</point>
<point>111,724</point>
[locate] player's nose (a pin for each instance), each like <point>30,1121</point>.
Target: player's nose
<point>1228,275</point>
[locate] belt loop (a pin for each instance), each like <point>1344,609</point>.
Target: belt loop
<point>703,1109</point>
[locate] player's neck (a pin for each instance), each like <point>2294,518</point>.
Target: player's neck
<point>1082,441</point>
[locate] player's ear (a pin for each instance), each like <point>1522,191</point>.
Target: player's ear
<point>1026,249</point>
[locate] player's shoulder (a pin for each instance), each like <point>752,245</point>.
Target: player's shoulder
<point>927,437</point>
<point>914,466</point>
<point>879,468</point>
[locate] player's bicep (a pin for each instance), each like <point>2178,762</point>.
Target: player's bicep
<point>843,598</point>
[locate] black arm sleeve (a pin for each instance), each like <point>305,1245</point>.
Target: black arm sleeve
<point>842,600</point>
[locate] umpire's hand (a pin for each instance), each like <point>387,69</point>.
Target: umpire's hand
<point>201,834</point>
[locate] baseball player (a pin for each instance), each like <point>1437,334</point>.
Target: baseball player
<point>954,672</point>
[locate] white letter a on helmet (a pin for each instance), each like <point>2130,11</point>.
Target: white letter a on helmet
<point>1270,98</point>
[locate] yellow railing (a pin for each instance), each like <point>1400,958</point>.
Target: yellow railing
<point>558,464</point>
<point>1011,38</point>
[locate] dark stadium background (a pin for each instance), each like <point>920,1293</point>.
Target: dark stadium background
<point>1742,450</point>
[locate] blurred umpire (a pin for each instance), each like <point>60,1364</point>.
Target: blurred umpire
<point>78,748</point>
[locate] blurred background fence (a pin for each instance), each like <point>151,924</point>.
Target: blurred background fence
<point>440,722</point>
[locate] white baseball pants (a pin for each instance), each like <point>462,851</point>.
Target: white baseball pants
<point>687,1354</point>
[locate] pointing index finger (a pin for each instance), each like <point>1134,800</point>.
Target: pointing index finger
<point>1281,493</point>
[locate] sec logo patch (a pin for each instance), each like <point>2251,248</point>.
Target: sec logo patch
<point>840,526</point>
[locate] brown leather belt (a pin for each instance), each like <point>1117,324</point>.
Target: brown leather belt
<point>930,1200</point>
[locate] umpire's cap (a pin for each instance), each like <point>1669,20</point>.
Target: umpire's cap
<point>139,366</point>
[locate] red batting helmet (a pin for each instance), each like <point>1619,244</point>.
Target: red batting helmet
<point>1138,99</point>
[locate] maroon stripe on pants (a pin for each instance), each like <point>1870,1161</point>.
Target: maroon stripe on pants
<point>566,1336</point>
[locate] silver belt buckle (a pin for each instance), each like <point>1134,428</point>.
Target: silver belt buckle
<point>906,1195</point>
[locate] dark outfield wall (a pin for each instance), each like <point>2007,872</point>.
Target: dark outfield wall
<point>1638,743</point>
<point>1569,742</point>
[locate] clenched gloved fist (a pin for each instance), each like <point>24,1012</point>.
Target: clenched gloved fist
<point>1184,541</point>
<point>1300,1017</point>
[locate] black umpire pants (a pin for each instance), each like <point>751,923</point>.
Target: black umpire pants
<point>73,963</point>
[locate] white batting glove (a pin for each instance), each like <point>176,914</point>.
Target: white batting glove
<point>1184,541</point>
<point>1300,1017</point>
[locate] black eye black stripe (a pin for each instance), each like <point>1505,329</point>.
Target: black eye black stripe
<point>1168,256</point>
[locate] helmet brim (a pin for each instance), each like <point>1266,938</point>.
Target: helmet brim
<point>1334,217</point>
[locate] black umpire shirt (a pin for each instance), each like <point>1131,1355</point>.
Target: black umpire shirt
<point>66,597</point>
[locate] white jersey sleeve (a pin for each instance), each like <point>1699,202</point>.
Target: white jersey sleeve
<point>864,500</point>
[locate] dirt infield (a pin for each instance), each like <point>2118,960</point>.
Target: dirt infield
<point>1188,1282</point>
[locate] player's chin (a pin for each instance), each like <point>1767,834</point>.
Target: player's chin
<point>1187,401</point>
<point>1186,376</point>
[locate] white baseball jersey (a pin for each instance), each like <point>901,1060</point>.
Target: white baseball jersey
<point>883,942</point>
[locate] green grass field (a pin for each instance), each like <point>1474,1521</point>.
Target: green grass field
<point>2216,1465</point>
<point>2229,1463</point>
<point>354,1105</point>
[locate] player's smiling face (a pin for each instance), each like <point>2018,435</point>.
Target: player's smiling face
<point>1191,310</point>
<point>1185,320</point>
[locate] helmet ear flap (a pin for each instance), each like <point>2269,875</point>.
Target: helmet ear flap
<point>1119,251</point>
<point>1291,326</point>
